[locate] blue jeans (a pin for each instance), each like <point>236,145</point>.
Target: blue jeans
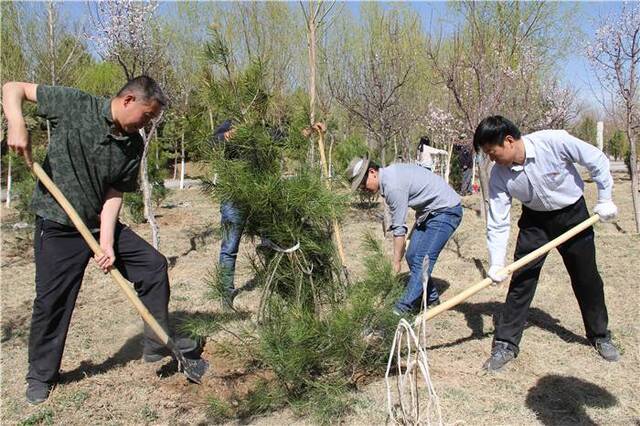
<point>232,225</point>
<point>427,241</point>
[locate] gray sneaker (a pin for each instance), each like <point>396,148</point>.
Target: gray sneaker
<point>606,348</point>
<point>501,354</point>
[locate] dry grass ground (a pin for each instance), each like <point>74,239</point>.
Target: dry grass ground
<point>557,379</point>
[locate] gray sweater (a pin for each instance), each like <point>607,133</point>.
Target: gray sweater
<point>409,185</point>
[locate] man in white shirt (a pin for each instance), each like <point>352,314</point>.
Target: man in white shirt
<point>538,169</point>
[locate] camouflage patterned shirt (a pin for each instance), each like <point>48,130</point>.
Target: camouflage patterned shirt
<point>84,158</point>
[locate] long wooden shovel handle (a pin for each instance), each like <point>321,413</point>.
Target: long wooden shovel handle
<point>464,295</point>
<point>125,285</point>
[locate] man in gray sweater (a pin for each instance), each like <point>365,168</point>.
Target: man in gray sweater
<point>437,211</point>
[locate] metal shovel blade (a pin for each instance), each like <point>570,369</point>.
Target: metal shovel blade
<point>194,369</point>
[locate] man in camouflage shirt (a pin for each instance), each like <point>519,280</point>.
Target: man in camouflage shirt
<point>93,157</point>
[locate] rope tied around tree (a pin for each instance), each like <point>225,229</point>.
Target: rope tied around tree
<point>297,257</point>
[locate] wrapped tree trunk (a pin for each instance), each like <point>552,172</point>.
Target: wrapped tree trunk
<point>147,188</point>
<point>182,161</point>
<point>175,162</point>
<point>8,202</point>
<point>633,169</point>
<point>448,164</point>
<point>484,170</point>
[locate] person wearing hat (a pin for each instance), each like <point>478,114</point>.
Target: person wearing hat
<point>437,211</point>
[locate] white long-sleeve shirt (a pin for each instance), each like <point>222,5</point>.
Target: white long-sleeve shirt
<point>425,155</point>
<point>548,180</point>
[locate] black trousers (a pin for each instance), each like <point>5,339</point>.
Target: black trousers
<point>579,257</point>
<point>61,256</point>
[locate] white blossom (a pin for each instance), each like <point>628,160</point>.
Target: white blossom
<point>123,32</point>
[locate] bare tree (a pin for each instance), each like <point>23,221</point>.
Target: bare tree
<point>123,31</point>
<point>615,56</point>
<point>494,62</point>
<point>14,65</point>
<point>55,46</point>
<point>315,14</point>
<point>373,90</point>
<point>56,50</point>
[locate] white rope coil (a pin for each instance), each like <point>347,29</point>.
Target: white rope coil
<point>408,349</point>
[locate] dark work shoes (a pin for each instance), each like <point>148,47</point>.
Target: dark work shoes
<point>38,392</point>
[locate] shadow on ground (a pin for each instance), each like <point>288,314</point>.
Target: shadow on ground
<point>132,348</point>
<point>561,400</point>
<point>197,240</point>
<point>474,313</point>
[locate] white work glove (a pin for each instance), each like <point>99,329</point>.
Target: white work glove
<point>496,277</point>
<point>606,210</point>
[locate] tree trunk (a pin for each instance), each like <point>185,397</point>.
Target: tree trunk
<point>395,149</point>
<point>447,170</point>
<point>175,162</point>
<point>52,50</point>
<point>633,160</point>
<point>474,168</point>
<point>331,156</point>
<point>157,152</point>
<point>211,120</point>
<point>52,57</point>
<point>182,161</point>
<point>311,51</point>
<point>311,43</point>
<point>147,189</point>
<point>383,154</point>
<point>8,202</point>
<point>484,170</point>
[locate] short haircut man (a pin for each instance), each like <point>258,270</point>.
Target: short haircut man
<point>538,169</point>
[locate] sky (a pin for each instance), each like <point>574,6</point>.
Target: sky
<point>574,68</point>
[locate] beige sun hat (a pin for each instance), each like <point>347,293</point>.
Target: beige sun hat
<point>356,171</point>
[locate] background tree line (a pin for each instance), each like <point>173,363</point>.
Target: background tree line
<point>383,73</point>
